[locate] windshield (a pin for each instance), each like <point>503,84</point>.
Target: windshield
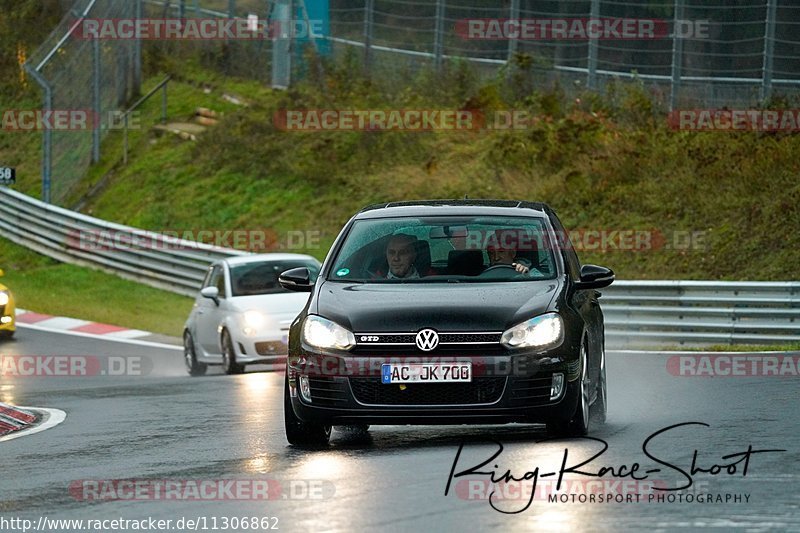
<point>445,249</point>
<point>262,277</point>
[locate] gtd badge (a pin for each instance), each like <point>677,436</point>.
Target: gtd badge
<point>427,340</point>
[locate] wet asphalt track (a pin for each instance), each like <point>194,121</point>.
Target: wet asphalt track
<point>167,426</point>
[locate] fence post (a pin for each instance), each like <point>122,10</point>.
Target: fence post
<point>137,53</point>
<point>47,146</point>
<point>513,43</point>
<point>97,121</point>
<point>231,8</point>
<point>369,11</point>
<point>164,105</point>
<point>769,50</point>
<point>182,9</point>
<point>677,55</point>
<point>591,70</point>
<point>438,42</point>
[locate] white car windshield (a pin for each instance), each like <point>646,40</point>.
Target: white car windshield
<point>249,279</point>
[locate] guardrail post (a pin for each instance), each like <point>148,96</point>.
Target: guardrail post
<point>97,121</point>
<point>438,42</point>
<point>591,67</point>
<point>231,8</point>
<point>677,55</point>
<point>769,50</point>
<point>182,9</point>
<point>369,11</point>
<point>513,43</point>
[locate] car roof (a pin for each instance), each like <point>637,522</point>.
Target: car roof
<point>257,258</point>
<point>455,207</point>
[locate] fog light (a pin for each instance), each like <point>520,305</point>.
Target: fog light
<point>557,387</point>
<point>305,389</point>
<point>5,320</point>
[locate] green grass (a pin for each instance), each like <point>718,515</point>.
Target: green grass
<point>604,163</point>
<point>47,286</point>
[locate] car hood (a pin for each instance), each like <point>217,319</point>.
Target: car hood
<point>374,308</point>
<point>273,304</point>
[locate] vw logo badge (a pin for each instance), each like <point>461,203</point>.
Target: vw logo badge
<point>427,340</point>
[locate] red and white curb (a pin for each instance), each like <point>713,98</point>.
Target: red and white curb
<point>77,325</point>
<point>85,328</point>
<point>18,422</point>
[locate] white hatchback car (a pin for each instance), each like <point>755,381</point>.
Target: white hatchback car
<point>242,314</point>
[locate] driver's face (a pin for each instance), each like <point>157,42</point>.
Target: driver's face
<point>501,256</point>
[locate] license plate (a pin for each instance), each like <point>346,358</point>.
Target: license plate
<point>426,373</point>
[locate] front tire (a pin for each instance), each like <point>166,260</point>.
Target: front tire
<point>600,405</point>
<point>229,364</point>
<point>6,334</point>
<point>578,424</point>
<point>193,366</point>
<point>298,432</point>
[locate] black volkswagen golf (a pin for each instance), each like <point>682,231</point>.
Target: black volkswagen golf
<point>447,312</point>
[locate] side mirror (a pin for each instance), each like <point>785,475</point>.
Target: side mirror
<point>595,277</point>
<point>211,293</point>
<point>296,279</point>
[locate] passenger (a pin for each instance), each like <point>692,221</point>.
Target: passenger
<point>401,253</point>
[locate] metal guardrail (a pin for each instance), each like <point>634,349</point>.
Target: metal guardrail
<point>696,313</point>
<point>637,313</point>
<point>175,265</point>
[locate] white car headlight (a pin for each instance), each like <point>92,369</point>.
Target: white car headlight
<point>322,333</point>
<point>543,331</point>
<point>3,297</point>
<point>255,319</point>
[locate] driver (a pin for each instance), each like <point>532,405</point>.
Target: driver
<point>503,251</point>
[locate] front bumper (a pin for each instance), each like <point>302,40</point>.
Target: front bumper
<point>254,350</point>
<point>8,319</point>
<point>348,390</point>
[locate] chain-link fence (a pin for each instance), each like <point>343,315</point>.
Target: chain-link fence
<point>88,75</point>
<point>710,54</point>
<point>696,54</point>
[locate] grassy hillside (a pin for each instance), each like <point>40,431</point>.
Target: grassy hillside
<point>605,163</point>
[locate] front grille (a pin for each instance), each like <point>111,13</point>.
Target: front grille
<point>271,348</point>
<point>481,391</point>
<point>392,343</point>
<point>531,391</point>
<point>327,392</point>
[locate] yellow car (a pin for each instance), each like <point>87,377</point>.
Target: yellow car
<point>7,320</point>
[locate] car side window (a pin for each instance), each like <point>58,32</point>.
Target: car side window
<point>207,279</point>
<point>217,279</point>
<point>571,261</point>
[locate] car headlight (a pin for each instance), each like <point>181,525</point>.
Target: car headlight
<point>322,333</point>
<point>255,319</point>
<point>3,298</point>
<point>543,331</point>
